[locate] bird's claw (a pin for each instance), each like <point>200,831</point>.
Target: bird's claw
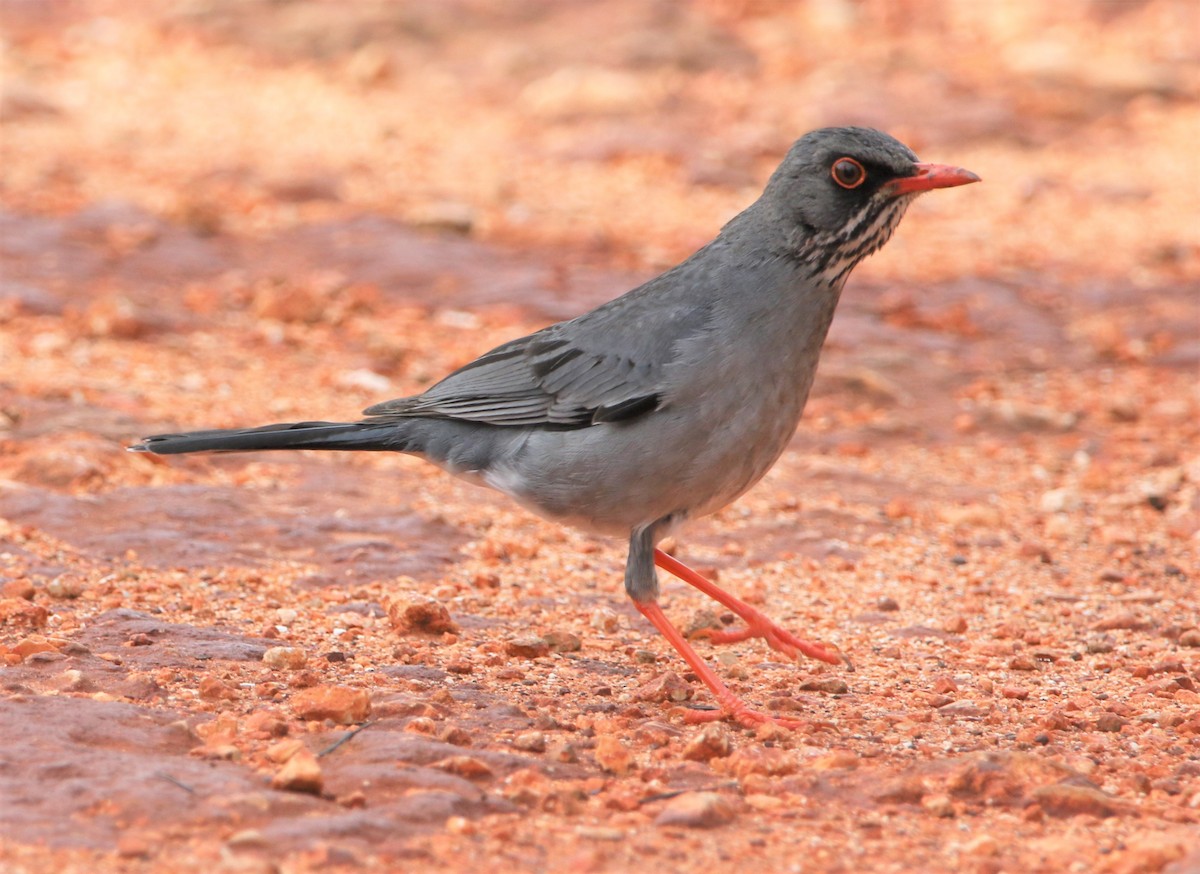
<point>742,715</point>
<point>778,639</point>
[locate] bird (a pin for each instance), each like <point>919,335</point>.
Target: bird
<point>667,403</point>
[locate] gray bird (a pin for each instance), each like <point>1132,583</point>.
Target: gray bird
<point>668,402</point>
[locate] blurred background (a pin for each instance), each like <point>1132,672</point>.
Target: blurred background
<point>228,212</point>
<point>631,129</point>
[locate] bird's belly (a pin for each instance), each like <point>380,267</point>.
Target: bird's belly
<point>613,478</point>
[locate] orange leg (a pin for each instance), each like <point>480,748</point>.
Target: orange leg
<point>757,625</point>
<point>731,705</point>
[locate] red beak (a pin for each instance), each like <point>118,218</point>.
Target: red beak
<point>929,177</point>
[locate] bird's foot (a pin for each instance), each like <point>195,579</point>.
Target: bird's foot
<point>729,705</point>
<point>757,624</point>
<point>779,639</point>
<point>744,716</point>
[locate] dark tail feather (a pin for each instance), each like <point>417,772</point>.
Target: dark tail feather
<point>294,435</point>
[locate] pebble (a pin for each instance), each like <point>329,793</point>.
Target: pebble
<point>283,750</point>
<point>606,620</point>
<point>300,773</point>
<point>938,805</point>
<point>1022,663</point>
<point>465,766</point>
<point>562,641</point>
<point>527,647</point>
<point>697,810</point>
<point>612,755</point>
<point>1127,621</point>
<point>18,589</point>
<point>35,643</point>
<point>710,742</point>
<point>341,704</point>
<point>1190,638</point>
<point>132,847</point>
<point>285,657</point>
<point>419,614</point>
<point>212,689</point>
<point>1063,799</point>
<point>600,833</point>
<point>667,686</point>
<point>530,741</point>
<point>1060,500</point>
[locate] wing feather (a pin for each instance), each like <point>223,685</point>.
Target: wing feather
<point>598,368</point>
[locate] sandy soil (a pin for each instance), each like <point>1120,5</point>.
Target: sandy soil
<point>224,213</point>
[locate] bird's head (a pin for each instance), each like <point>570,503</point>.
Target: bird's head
<point>841,191</point>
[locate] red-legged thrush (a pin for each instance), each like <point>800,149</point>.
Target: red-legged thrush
<point>668,402</point>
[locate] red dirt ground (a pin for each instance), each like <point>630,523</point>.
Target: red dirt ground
<point>224,213</point>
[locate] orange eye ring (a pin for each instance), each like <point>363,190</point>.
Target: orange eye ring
<point>848,173</point>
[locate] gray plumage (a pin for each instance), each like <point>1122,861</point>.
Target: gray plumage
<point>670,401</point>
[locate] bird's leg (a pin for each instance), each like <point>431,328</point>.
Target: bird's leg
<point>641,583</point>
<point>757,624</point>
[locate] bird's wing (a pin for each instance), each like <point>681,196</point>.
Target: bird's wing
<point>603,367</point>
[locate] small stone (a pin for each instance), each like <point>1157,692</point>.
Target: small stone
<point>283,750</point>
<point>1101,643</point>
<point>604,619</point>
<point>35,643</point>
<point>612,755</point>
<point>1122,621</point>
<point>562,641</point>
<point>18,589</point>
<point>566,753</point>
<point>828,685</point>
<point>938,805</point>
<point>456,218</point>
<point>1110,722</point>
<point>970,516</point>
<point>423,615</point>
<point>453,734</point>
<point>981,845</point>
<point>1063,799</point>
<point>68,587</point>
<point>460,825</point>
<point>530,742</point>
<point>710,742</point>
<point>1022,663</point>
<point>527,647</point>
<point>1190,638</point>
<point>600,833</point>
<point>465,766</point>
<point>955,625</point>
<point>132,847</point>
<point>341,704</point>
<point>1060,500</point>
<point>887,605</point>
<point>285,657</point>
<point>300,773</point>
<point>1019,693</point>
<point>962,709</point>
<point>697,810</point>
<point>212,689</point>
<point>667,686</point>
<point>247,838</point>
<point>1033,549</point>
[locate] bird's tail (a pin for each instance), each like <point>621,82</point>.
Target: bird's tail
<point>293,435</point>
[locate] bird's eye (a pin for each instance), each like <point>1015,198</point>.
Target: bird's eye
<point>848,173</point>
